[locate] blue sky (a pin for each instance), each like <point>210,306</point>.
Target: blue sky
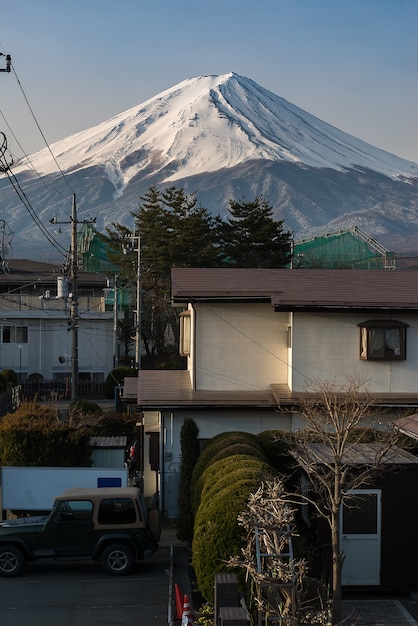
<point>352,63</point>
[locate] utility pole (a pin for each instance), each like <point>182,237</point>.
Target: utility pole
<point>74,298</point>
<point>138,321</point>
<point>74,303</point>
<point>8,62</point>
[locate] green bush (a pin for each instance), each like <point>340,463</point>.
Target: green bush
<point>116,425</point>
<point>3,383</point>
<point>80,407</point>
<point>35,436</point>
<point>217,535</point>
<point>189,454</point>
<point>10,377</point>
<point>35,377</point>
<point>219,475</point>
<point>276,445</point>
<point>116,377</point>
<point>217,444</point>
<point>216,470</point>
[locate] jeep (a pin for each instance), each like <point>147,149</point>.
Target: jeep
<point>108,525</point>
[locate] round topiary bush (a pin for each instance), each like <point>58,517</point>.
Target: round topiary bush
<point>10,377</point>
<point>219,468</point>
<point>217,444</point>
<point>219,475</point>
<point>116,377</point>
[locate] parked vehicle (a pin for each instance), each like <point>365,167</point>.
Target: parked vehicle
<point>108,525</point>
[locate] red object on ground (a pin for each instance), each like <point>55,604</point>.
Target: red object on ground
<point>187,613</point>
<point>179,601</point>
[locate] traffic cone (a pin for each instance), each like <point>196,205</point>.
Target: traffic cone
<point>179,602</point>
<point>187,613</point>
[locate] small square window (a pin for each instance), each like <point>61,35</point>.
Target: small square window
<point>383,340</point>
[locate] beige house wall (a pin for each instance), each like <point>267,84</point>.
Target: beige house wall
<point>241,346</point>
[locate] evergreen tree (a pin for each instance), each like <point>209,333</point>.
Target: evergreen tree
<point>174,232</point>
<point>252,238</point>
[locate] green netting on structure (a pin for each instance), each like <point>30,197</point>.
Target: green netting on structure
<point>340,250</point>
<point>92,252</point>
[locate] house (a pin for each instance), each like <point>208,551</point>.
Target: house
<point>255,339</point>
<point>35,328</point>
<point>377,523</point>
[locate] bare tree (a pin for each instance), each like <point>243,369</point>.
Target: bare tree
<point>335,415</point>
<point>267,556</point>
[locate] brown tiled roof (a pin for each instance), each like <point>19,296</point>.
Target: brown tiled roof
<point>360,454</point>
<point>170,389</point>
<point>300,289</point>
<point>284,397</point>
<point>408,425</point>
<point>24,272</point>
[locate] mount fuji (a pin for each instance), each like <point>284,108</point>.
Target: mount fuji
<point>224,137</point>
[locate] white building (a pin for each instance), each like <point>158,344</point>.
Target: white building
<point>35,323</point>
<point>255,339</point>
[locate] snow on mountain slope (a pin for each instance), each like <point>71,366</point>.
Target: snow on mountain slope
<point>208,123</point>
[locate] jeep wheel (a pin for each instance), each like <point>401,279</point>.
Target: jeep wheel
<point>11,561</point>
<point>118,559</point>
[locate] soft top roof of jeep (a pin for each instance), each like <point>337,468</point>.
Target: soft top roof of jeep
<point>88,493</point>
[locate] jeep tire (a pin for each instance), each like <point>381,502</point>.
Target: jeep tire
<point>12,561</point>
<point>117,559</point>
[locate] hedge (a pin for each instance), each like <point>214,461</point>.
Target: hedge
<point>218,443</point>
<point>217,535</point>
<point>217,470</point>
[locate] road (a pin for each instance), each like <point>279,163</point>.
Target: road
<point>76,594</point>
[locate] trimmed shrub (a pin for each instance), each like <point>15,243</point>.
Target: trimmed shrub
<point>276,445</point>
<point>230,473</point>
<point>10,377</point>
<point>83,407</point>
<point>217,535</point>
<point>218,443</point>
<point>116,377</point>
<point>116,425</point>
<point>34,436</point>
<point>3,383</point>
<point>216,470</point>
<point>189,455</point>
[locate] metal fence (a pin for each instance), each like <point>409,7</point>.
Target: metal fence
<point>55,390</point>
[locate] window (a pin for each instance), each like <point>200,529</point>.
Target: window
<point>117,511</point>
<point>75,511</point>
<point>14,334</point>
<point>185,333</point>
<point>383,340</point>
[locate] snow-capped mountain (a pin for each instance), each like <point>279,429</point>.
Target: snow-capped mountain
<point>224,137</point>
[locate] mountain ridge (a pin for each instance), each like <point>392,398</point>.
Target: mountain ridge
<point>225,137</point>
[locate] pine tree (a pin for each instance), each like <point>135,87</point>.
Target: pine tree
<point>252,238</point>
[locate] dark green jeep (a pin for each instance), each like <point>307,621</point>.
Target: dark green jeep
<point>110,525</point>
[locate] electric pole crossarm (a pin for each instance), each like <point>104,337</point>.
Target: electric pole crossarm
<point>8,63</point>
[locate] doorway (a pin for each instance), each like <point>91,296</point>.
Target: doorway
<point>360,523</point>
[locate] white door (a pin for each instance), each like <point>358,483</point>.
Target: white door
<point>361,537</point>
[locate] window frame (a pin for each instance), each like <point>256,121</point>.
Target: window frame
<point>371,328</point>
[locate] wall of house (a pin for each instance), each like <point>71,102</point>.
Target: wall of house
<point>240,346</point>
<point>48,338</point>
<point>209,424</point>
<point>327,346</point>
